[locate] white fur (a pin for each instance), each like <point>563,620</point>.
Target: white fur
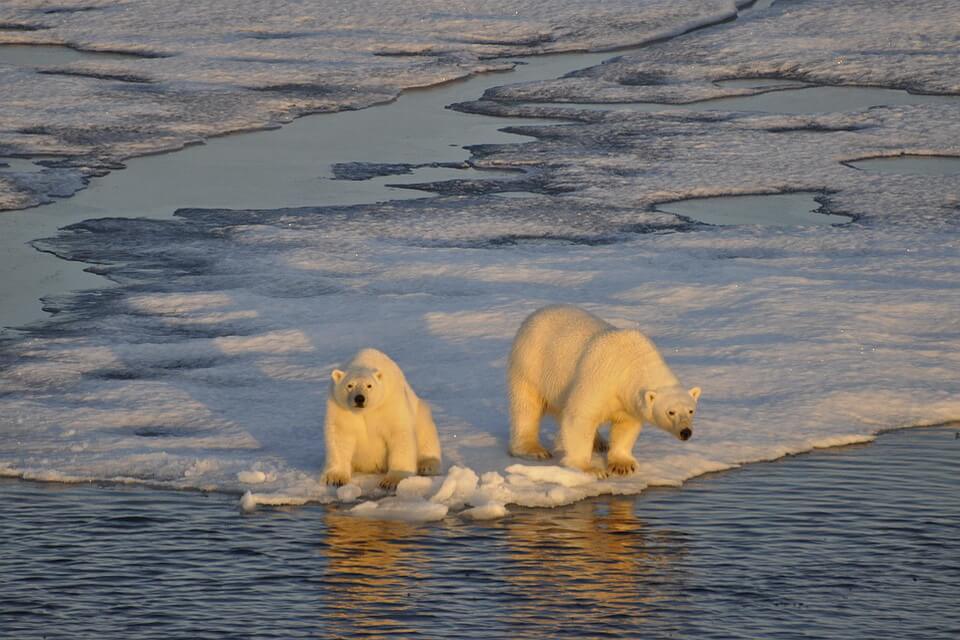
<point>585,372</point>
<point>393,431</point>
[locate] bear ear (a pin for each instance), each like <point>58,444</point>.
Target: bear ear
<point>336,375</point>
<point>695,393</point>
<point>378,374</point>
<point>649,397</point>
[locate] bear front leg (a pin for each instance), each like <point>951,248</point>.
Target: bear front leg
<point>401,456</point>
<point>577,434</point>
<point>428,442</point>
<point>623,435</point>
<point>341,444</point>
<point>335,477</point>
<point>526,410</point>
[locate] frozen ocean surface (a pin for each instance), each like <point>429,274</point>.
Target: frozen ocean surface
<point>206,366</point>
<point>289,167</point>
<point>193,70</point>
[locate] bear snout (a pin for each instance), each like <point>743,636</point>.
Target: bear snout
<point>359,400</point>
<point>685,434</point>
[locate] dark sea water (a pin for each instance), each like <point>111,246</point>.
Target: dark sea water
<point>855,542</point>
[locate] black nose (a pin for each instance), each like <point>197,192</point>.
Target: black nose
<point>685,434</point>
<point>359,399</point>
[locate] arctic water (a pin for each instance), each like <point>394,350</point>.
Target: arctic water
<point>845,543</point>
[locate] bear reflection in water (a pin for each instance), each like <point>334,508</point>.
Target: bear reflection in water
<point>373,572</point>
<point>596,557</point>
<point>539,573</point>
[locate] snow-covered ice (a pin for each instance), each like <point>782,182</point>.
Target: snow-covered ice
<point>800,337</point>
<point>207,366</point>
<point>203,68</point>
<point>885,43</point>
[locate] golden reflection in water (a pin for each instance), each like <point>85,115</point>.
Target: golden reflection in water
<point>372,565</point>
<point>593,562</point>
<point>536,573</point>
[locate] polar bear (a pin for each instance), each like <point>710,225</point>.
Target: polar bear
<point>375,423</point>
<point>585,372</point>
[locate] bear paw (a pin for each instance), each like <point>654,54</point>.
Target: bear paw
<point>535,451</point>
<point>589,467</point>
<point>335,478</point>
<point>392,479</point>
<point>600,444</point>
<point>622,467</point>
<point>428,467</point>
<point>599,472</point>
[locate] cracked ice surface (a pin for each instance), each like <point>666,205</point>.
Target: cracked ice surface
<point>207,367</point>
<point>884,43</point>
<point>630,161</point>
<point>200,69</point>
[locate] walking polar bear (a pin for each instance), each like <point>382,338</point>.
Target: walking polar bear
<point>375,423</point>
<point>585,372</point>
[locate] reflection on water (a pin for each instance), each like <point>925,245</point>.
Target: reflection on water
<point>857,542</point>
<point>778,210</point>
<point>19,164</point>
<point>759,83</point>
<point>804,100</point>
<point>521,577</point>
<point>597,558</point>
<point>911,165</point>
<point>376,567</point>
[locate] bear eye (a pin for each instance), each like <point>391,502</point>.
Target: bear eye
<point>671,412</point>
<point>349,386</point>
<point>369,386</point>
<point>691,411</point>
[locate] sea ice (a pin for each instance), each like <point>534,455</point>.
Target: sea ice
<point>211,357</point>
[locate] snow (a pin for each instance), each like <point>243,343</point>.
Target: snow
<point>207,366</point>
<point>414,487</point>
<point>247,503</point>
<point>349,493</point>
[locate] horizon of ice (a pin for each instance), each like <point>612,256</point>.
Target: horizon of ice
<point>207,367</point>
<point>208,68</point>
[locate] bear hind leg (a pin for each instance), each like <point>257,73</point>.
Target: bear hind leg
<point>526,410</point>
<point>578,435</point>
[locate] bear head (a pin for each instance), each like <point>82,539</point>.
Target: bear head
<point>672,409</point>
<point>358,389</point>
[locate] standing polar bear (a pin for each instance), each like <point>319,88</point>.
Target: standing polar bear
<point>585,372</point>
<point>375,423</point>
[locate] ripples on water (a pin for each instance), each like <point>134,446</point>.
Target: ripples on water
<point>852,542</point>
